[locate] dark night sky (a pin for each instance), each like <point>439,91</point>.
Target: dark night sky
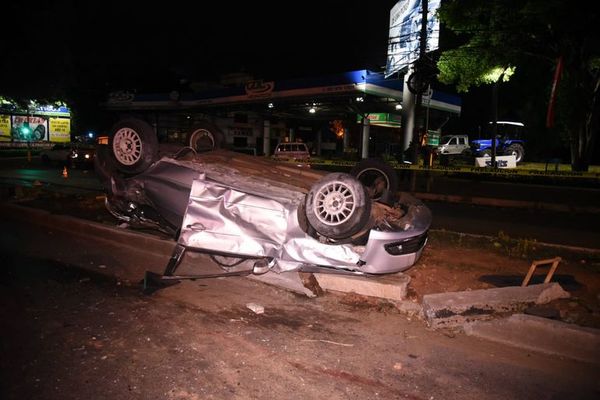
<point>143,44</point>
<point>81,50</point>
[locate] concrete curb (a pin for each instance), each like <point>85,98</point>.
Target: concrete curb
<point>452,309</point>
<point>506,203</point>
<point>123,255</point>
<point>541,335</point>
<point>73,225</point>
<point>152,252</point>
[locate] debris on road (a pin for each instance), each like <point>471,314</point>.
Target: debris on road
<point>554,261</point>
<point>256,308</point>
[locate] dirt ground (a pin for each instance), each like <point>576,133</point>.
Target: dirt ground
<point>453,263</point>
<point>69,334</point>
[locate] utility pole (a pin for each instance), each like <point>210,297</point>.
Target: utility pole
<point>494,120</point>
<point>495,89</point>
<point>419,71</point>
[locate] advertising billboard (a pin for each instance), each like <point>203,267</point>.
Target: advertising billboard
<point>27,128</point>
<point>405,31</point>
<point>60,129</point>
<point>5,128</point>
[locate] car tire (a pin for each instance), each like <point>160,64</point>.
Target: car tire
<point>134,145</point>
<point>486,153</point>
<point>204,136</point>
<point>338,206</point>
<point>45,159</point>
<point>379,178</point>
<point>516,150</point>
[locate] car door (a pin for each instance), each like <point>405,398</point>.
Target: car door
<point>453,146</point>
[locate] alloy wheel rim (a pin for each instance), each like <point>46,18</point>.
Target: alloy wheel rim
<point>127,146</point>
<point>335,203</point>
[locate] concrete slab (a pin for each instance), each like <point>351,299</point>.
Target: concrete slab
<point>391,287</point>
<point>286,280</point>
<point>457,308</point>
<point>541,335</point>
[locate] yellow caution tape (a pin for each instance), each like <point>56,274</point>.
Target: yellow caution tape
<point>472,170</point>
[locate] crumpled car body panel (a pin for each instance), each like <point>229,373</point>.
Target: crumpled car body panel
<point>225,220</point>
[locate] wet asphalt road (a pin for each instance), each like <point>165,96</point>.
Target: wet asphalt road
<point>568,229</point>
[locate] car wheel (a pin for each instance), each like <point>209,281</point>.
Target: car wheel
<point>517,151</point>
<point>377,176</point>
<point>205,136</point>
<point>134,145</point>
<point>486,153</point>
<point>45,160</point>
<point>338,206</point>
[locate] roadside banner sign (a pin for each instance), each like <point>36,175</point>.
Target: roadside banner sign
<point>60,129</point>
<point>502,161</point>
<point>5,128</point>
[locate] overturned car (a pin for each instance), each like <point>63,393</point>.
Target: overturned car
<point>252,210</point>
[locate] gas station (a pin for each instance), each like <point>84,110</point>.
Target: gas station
<point>358,111</point>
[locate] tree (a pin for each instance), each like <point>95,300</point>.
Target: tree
<point>498,35</point>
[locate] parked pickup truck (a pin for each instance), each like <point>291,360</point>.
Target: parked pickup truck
<point>454,144</point>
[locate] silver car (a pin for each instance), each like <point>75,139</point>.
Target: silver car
<point>245,208</point>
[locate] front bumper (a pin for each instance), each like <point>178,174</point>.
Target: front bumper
<point>390,252</point>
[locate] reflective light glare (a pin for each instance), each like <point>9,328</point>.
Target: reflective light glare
<point>312,110</point>
<point>398,106</point>
<point>360,99</point>
<point>270,105</point>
